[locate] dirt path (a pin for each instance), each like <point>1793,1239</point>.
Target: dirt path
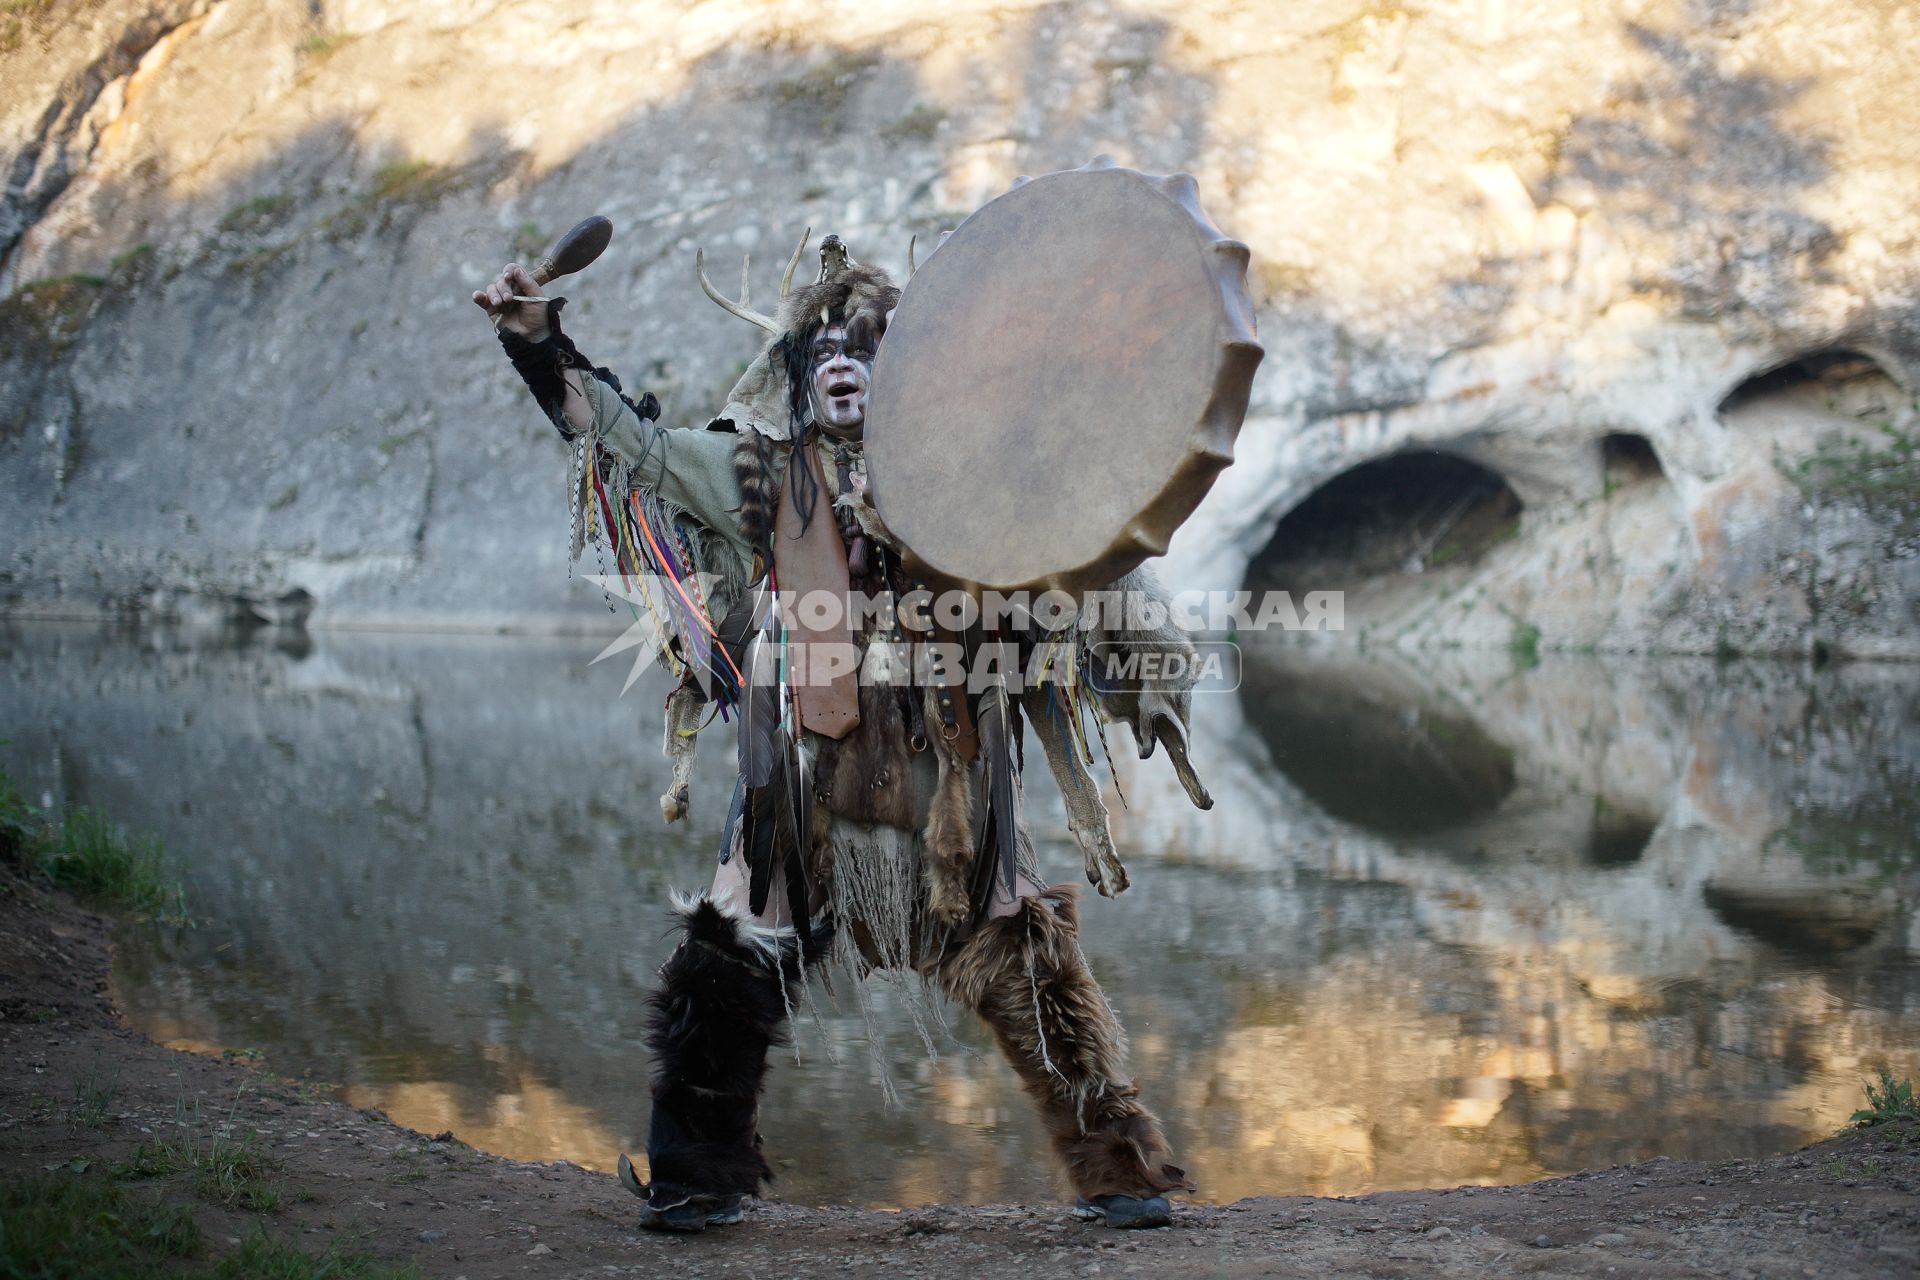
<point>81,1092</point>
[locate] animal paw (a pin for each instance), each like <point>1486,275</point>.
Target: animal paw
<point>673,805</point>
<point>865,514</point>
<point>1105,874</point>
<point>949,910</point>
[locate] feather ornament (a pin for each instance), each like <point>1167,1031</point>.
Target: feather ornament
<point>999,730</point>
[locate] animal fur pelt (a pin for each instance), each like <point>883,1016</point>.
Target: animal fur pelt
<point>1122,699</point>
<point>754,468</point>
<point>1024,975</point>
<point>1156,714</point>
<point>717,1011</point>
<point>686,706</point>
<point>761,468</point>
<point>950,836</point>
<point>857,295</point>
<point>868,775</point>
<point>1048,708</point>
<point>859,505</point>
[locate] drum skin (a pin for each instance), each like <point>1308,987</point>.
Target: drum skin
<point>1061,383</point>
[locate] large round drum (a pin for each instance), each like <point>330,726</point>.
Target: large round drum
<point>1061,383</point>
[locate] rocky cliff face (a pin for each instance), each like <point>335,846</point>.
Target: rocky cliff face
<point>1587,325</point>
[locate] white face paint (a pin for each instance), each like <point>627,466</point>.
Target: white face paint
<point>837,387</point>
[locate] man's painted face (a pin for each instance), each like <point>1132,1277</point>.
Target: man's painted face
<point>837,387</point>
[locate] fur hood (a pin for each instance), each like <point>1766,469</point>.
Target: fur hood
<point>857,296</point>
<point>856,291</point>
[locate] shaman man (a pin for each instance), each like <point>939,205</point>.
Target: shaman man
<point>874,822</point>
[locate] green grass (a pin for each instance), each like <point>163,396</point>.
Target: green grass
<point>262,213</point>
<point>237,1173</point>
<point>1846,1167</point>
<point>395,443</point>
<point>819,95</point>
<point>19,822</point>
<point>93,1100</point>
<point>20,19</point>
<point>41,321</point>
<point>917,125</point>
<point>397,185</point>
<point>321,45</point>
<point>105,866</point>
<point>1524,645</point>
<point>44,319</point>
<point>409,180</point>
<point>87,856</point>
<point>66,1226</point>
<point>528,243</point>
<point>412,1170</point>
<point>1893,1100</point>
<point>258,262</point>
<point>130,268</point>
<point>1881,479</point>
<point>1869,843</point>
<point>73,1227</point>
<point>261,1257</point>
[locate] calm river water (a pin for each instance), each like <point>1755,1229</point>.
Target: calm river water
<point>1450,921</point>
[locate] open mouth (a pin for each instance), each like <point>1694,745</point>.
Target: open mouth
<point>842,387</point>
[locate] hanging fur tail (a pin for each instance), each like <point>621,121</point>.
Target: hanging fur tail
<point>720,1006</point>
<point>950,834</point>
<point>1024,975</point>
<point>753,473</point>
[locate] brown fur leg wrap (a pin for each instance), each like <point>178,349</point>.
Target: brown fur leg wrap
<point>1024,975</point>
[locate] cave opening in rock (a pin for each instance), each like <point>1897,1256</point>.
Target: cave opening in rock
<point>1628,457</point>
<point>1835,370</point>
<point>1618,836</point>
<point>1406,513</point>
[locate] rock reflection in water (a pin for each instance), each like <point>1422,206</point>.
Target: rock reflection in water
<point>432,869</point>
<point>1377,761</point>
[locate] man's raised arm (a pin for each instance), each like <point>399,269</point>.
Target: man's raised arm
<point>691,469</point>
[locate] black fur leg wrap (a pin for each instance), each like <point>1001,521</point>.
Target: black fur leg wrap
<point>540,364</point>
<point>718,1010</point>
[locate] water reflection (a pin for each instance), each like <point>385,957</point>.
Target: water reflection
<point>1365,756</point>
<point>1448,922</point>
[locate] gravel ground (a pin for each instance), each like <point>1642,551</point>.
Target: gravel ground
<point>1846,1207</point>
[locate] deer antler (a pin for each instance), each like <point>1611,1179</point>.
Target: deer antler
<point>786,281</point>
<point>912,240</point>
<point>739,309</point>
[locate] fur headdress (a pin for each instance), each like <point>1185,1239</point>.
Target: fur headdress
<point>855,295</point>
<point>767,402</point>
